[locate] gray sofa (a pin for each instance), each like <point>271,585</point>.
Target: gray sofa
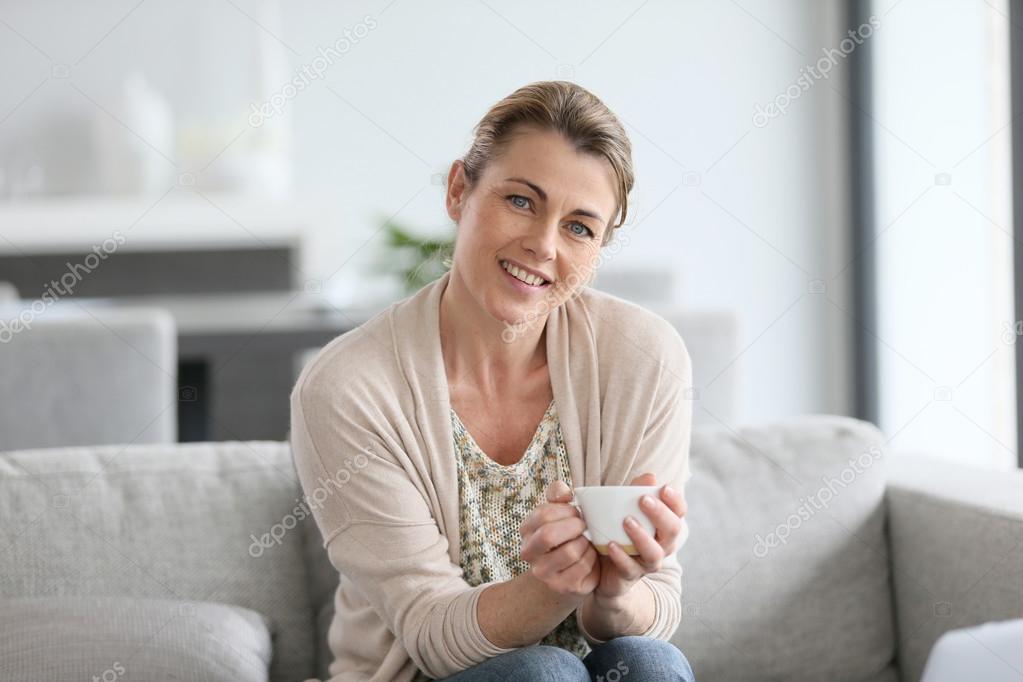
<point>814,554</point>
<point>70,376</point>
<point>8,292</point>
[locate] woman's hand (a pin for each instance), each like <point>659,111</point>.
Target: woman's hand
<point>620,571</point>
<point>559,554</point>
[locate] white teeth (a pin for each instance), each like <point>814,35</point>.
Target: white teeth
<point>522,275</point>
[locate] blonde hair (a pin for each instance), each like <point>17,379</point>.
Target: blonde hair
<point>569,109</point>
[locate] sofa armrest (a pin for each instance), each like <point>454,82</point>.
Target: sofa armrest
<point>956,535</point>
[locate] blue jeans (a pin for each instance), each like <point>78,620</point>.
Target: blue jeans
<point>622,659</point>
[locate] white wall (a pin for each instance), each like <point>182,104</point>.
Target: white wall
<point>747,216</point>
<point>684,77</point>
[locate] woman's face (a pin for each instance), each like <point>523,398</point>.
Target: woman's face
<point>541,207</point>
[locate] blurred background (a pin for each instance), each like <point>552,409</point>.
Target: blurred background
<point>195,196</point>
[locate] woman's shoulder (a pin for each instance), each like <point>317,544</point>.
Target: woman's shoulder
<point>626,330</point>
<point>359,355</point>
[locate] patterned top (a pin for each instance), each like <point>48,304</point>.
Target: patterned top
<point>495,499</point>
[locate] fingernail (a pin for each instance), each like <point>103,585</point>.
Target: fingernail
<point>631,521</point>
<point>668,489</point>
<point>647,501</point>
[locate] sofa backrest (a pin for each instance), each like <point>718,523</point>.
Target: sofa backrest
<point>214,522</point>
<point>73,377</point>
<point>786,570</point>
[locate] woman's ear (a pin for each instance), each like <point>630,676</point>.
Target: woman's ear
<point>456,191</point>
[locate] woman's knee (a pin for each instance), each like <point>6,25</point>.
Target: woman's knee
<point>536,662</point>
<point>548,663</point>
<point>639,657</point>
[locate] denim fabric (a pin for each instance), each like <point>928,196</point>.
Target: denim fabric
<point>622,659</point>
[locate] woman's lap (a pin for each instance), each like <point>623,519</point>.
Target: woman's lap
<point>630,658</point>
<point>537,662</point>
<point>637,658</point>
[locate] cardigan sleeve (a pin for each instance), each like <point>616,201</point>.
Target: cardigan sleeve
<point>380,534</point>
<point>664,451</point>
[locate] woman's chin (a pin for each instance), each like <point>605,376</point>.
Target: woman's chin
<point>516,316</point>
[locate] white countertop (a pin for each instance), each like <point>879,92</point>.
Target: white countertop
<point>180,220</point>
<point>261,312</point>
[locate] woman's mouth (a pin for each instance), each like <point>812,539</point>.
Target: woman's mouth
<point>521,279</point>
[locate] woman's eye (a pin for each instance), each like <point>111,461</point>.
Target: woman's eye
<point>519,201</point>
<point>525,200</point>
<point>585,232</point>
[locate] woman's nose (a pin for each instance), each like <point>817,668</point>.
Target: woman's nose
<point>542,239</point>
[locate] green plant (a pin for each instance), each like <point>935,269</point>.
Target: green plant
<point>415,260</point>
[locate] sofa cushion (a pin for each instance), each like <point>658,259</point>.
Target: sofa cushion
<point>214,522</point>
<point>86,377</point>
<point>786,570</point>
<point>114,638</point>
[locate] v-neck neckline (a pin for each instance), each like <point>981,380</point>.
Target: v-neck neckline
<point>571,360</point>
<point>540,434</point>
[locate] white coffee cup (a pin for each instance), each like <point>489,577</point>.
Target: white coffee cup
<point>604,508</point>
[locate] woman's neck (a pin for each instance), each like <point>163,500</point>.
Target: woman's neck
<point>475,351</point>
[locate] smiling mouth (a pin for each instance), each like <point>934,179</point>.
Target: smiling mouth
<point>524,277</point>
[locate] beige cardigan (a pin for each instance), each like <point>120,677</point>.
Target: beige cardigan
<point>373,447</point>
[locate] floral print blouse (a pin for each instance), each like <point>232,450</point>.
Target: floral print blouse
<point>495,499</point>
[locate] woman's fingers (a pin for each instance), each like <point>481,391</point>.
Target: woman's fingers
<point>627,566</point>
<point>674,500</point>
<point>650,550</point>
<point>669,506</point>
<point>644,479</point>
<point>577,578</point>
<point>667,523</point>
<point>561,558</point>
<point>558,491</point>
<point>544,514</point>
<point>575,574</point>
<point>558,496</point>
<point>550,535</point>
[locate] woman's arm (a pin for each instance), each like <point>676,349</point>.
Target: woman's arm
<point>380,534</point>
<point>563,571</point>
<point>633,614</point>
<point>522,611</point>
<point>652,607</point>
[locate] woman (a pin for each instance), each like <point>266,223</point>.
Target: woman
<point>439,442</point>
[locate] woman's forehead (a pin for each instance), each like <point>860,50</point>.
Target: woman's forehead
<point>550,162</point>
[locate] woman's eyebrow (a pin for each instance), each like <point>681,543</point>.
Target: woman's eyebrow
<point>543,195</point>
